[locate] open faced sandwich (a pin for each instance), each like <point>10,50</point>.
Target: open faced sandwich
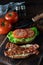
<point>20,36</point>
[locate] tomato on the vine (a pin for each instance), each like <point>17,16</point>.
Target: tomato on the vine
<point>12,17</point>
<point>5,26</point>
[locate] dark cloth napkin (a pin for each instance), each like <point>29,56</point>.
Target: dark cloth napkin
<point>9,7</point>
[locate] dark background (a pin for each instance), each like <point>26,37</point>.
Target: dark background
<point>33,1</point>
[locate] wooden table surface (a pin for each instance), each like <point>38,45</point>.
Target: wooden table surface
<point>2,38</point>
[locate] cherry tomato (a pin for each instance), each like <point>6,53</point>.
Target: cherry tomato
<point>30,32</point>
<point>20,33</point>
<point>12,17</point>
<point>5,26</point>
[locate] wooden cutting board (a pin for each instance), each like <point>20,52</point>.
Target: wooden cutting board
<point>2,38</point>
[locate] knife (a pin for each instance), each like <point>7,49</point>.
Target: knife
<point>34,20</point>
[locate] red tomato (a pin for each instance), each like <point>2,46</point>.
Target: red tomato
<point>12,17</point>
<point>30,32</point>
<point>20,33</point>
<point>5,26</point>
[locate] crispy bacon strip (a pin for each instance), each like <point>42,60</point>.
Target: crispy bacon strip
<point>13,49</point>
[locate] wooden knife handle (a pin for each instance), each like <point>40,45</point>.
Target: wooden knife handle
<point>37,17</point>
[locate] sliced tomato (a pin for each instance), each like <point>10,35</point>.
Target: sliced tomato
<point>20,33</point>
<point>30,32</point>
